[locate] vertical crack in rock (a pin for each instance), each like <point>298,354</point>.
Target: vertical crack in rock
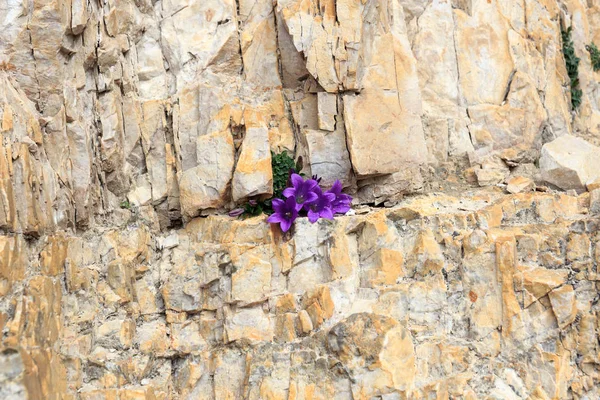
<point>239,32</point>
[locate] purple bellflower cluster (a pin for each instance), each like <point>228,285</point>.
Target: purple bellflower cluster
<point>306,196</point>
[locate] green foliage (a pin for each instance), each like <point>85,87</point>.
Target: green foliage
<point>572,63</point>
<point>594,56</point>
<point>281,165</point>
<point>126,204</point>
<point>251,210</point>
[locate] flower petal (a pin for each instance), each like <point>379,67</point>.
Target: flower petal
<point>336,188</point>
<point>310,197</point>
<point>341,208</point>
<point>290,203</point>
<point>345,197</point>
<point>330,196</point>
<point>311,184</point>
<point>288,192</point>
<point>236,213</point>
<point>275,218</point>
<point>285,225</point>
<point>326,213</point>
<point>296,180</point>
<point>313,216</point>
<point>277,205</point>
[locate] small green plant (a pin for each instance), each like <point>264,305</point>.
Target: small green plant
<point>126,204</point>
<point>254,208</point>
<point>594,56</point>
<point>281,164</point>
<point>572,64</point>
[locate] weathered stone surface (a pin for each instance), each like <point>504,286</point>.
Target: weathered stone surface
<point>570,162</point>
<point>429,291</point>
<point>206,185</point>
<point>595,201</point>
<point>253,175</point>
<point>563,304</point>
<point>445,122</point>
<point>327,110</point>
<point>492,127</point>
<point>122,121</point>
<point>519,184</point>
<point>387,356</point>
<point>482,50</point>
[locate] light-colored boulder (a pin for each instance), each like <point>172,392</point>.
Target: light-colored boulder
<point>199,34</point>
<point>248,323</point>
<point>570,162</point>
<point>251,281</point>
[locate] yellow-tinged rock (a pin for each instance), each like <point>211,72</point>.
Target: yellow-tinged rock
<point>519,184</point>
<point>563,304</point>
<point>252,279</point>
<point>100,394</point>
<point>206,184</point>
<point>578,247</point>
<point>322,297</point>
<point>253,175</point>
<point>151,337</point>
<point>119,278</point>
<point>341,253</point>
<point>483,55</point>
<point>7,119</point>
<point>306,324</point>
<point>285,327</point>
<point>428,254</point>
<point>54,255</point>
<point>187,338</point>
<point>13,261</point>
<point>386,357</point>
<point>248,323</point>
<point>506,263</point>
<point>285,303</point>
<point>538,281</point>
<point>593,184</point>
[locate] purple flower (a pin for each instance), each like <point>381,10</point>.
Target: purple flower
<point>285,213</point>
<point>341,203</point>
<point>301,190</point>
<point>320,208</point>
<point>236,213</point>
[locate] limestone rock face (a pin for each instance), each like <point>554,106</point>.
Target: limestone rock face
<point>425,299</point>
<point>177,105</point>
<point>129,128</point>
<point>387,356</point>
